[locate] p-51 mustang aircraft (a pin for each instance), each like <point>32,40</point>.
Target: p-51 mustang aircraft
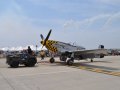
<point>69,53</point>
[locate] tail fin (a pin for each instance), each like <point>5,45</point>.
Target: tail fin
<point>101,47</point>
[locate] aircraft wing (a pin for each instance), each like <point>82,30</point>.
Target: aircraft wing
<point>93,51</point>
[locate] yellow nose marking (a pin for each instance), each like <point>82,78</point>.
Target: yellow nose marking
<point>50,46</point>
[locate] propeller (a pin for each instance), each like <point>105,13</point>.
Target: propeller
<point>41,36</point>
<point>44,43</point>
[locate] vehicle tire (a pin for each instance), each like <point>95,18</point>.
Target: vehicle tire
<point>70,62</point>
<point>52,60</point>
<point>31,62</point>
<point>14,64</point>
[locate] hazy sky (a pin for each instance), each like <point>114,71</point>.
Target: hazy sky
<point>86,22</point>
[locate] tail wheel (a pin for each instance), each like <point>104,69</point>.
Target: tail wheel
<point>52,60</point>
<point>70,62</point>
<point>91,60</point>
<point>102,56</point>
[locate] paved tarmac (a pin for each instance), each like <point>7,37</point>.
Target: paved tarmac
<point>102,74</point>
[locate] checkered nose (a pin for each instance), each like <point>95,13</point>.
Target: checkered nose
<point>50,45</point>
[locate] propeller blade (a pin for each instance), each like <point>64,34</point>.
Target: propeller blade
<point>41,36</point>
<point>47,37</point>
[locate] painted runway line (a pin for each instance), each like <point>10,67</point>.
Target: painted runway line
<point>98,70</point>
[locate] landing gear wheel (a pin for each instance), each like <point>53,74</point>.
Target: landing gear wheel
<point>52,60</point>
<point>91,60</point>
<point>102,56</point>
<point>70,62</point>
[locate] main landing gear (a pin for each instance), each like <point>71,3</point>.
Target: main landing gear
<point>70,61</point>
<point>52,60</point>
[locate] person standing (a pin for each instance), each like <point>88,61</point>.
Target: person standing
<point>30,52</point>
<point>42,54</point>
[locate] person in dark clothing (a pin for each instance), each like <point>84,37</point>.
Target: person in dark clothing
<point>29,50</point>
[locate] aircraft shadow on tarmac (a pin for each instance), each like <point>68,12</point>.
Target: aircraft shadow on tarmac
<point>86,64</point>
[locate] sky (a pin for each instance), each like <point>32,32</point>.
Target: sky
<point>87,23</point>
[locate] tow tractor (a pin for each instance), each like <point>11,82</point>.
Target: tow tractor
<point>21,59</point>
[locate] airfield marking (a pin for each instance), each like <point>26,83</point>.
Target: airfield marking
<point>98,70</point>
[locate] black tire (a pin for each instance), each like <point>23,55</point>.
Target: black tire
<point>70,62</point>
<point>52,60</point>
<point>14,64</point>
<point>31,62</point>
<point>91,60</point>
<point>102,56</point>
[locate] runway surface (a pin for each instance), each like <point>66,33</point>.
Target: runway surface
<point>102,74</point>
